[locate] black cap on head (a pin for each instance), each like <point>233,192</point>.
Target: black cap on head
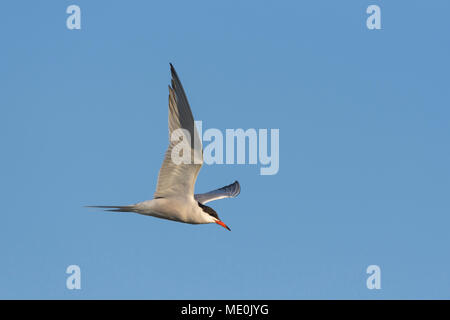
<point>209,210</point>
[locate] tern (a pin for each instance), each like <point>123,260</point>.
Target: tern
<point>174,198</point>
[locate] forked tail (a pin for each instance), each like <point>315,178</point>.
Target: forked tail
<point>115,208</point>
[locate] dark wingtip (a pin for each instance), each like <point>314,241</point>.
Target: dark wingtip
<point>238,191</point>
<point>174,74</point>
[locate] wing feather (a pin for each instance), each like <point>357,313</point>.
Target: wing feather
<point>230,191</point>
<point>179,179</point>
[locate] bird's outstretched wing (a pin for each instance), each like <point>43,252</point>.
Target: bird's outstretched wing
<point>179,179</point>
<point>229,191</point>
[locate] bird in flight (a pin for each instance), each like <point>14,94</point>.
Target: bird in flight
<point>174,198</point>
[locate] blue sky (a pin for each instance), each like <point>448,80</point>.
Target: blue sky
<point>364,125</point>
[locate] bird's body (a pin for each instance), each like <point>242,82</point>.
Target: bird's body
<point>174,198</point>
<point>182,209</point>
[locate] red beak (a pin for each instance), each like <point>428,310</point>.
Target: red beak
<point>223,225</point>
